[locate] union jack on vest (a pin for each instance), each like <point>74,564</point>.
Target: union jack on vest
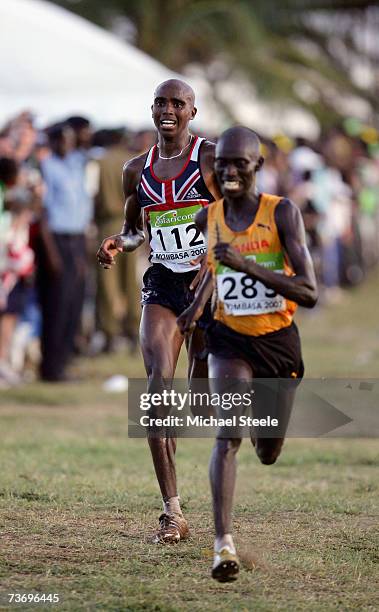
<point>174,238</point>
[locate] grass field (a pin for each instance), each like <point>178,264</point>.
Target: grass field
<point>78,500</point>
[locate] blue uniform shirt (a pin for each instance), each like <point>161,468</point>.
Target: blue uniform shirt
<point>68,205</point>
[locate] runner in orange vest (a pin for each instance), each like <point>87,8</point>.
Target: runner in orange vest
<point>259,269</point>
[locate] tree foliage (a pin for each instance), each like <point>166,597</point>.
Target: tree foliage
<point>275,44</point>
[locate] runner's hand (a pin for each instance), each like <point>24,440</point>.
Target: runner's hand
<point>110,247</point>
<point>229,256</point>
<point>187,320</point>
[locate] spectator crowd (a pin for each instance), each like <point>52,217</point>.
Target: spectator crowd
<point>61,193</point>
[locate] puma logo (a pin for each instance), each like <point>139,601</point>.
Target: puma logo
<point>264,226</point>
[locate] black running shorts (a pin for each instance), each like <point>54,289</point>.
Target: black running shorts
<point>273,355</point>
<point>171,289</point>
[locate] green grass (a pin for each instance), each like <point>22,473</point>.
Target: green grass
<point>343,340</point>
<point>78,503</point>
<point>78,499</point>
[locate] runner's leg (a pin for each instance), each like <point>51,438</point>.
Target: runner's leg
<point>269,449</point>
<point>160,343</point>
<point>198,371</point>
<point>197,368</point>
<point>223,467</point>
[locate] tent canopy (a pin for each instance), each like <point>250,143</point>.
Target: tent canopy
<point>56,63</point>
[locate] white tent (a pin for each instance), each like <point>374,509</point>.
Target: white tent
<point>55,64</point>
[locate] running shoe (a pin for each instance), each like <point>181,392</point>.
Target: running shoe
<point>225,566</point>
<point>172,528</point>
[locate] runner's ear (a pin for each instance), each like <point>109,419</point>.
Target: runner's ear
<point>193,113</point>
<point>259,164</point>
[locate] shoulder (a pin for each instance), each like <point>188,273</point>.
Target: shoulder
<point>202,218</point>
<point>207,152</point>
<point>211,211</point>
<point>131,172</point>
<point>50,164</point>
<point>135,165</point>
<point>207,160</point>
<point>78,156</point>
<point>288,218</point>
<point>286,209</point>
<point>208,145</point>
<point>48,161</point>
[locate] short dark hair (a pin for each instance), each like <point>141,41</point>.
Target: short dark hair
<point>76,122</point>
<point>55,132</point>
<point>241,130</point>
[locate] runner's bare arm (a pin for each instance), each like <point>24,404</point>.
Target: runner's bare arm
<point>201,220</point>
<point>302,287</point>
<point>130,178</point>
<point>131,235</point>
<point>187,320</point>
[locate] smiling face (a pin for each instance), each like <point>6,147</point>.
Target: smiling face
<point>237,161</point>
<point>173,107</point>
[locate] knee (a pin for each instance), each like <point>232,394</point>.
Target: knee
<point>159,367</point>
<point>158,378</point>
<point>228,446</point>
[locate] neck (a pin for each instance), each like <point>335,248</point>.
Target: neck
<point>169,146</point>
<point>59,154</point>
<point>248,202</point>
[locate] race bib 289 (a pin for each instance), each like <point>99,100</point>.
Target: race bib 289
<point>242,295</point>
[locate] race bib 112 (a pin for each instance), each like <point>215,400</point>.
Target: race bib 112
<point>174,235</point>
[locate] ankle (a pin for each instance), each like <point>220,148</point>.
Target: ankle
<point>225,541</point>
<point>171,505</point>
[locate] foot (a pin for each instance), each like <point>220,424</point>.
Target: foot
<point>8,376</point>
<point>225,565</point>
<point>172,528</point>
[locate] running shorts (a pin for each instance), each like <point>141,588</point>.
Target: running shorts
<point>273,355</point>
<point>171,289</point>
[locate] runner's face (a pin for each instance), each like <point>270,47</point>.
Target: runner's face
<point>172,110</point>
<point>236,164</point>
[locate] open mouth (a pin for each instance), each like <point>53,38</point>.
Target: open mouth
<point>168,123</point>
<point>231,185</point>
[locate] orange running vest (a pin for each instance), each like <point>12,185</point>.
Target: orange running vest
<point>242,303</point>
